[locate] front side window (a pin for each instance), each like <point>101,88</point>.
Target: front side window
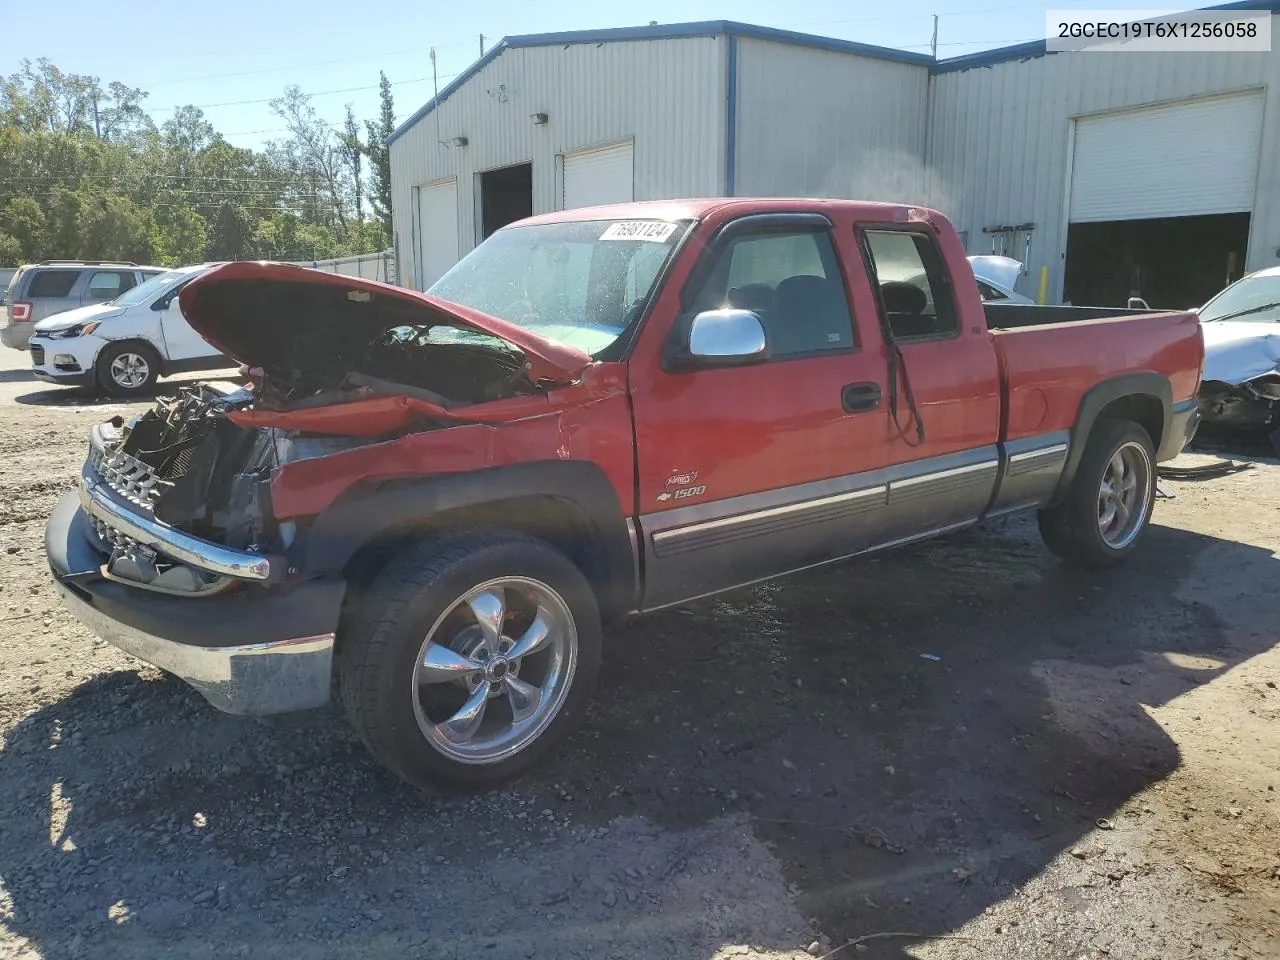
<point>792,282</point>
<point>582,283</point>
<point>106,284</point>
<point>914,290</point>
<point>51,284</point>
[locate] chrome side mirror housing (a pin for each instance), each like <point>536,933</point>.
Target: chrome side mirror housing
<point>722,338</point>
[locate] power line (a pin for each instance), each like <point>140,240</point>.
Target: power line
<point>318,93</point>
<point>302,66</point>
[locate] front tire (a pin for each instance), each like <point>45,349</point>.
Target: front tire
<point>128,369</point>
<point>1108,506</point>
<point>469,657</point>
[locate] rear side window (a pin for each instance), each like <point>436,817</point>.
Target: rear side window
<point>792,282</point>
<point>108,284</point>
<point>914,290</point>
<point>51,283</point>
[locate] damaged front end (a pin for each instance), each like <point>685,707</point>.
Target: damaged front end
<point>1240,386</point>
<point>185,467</point>
<point>1252,405</point>
<point>179,499</point>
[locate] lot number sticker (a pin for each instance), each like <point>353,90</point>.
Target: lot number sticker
<point>651,230</point>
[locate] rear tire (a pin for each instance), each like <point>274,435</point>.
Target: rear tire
<point>128,369</point>
<point>431,669</point>
<point>1108,506</point>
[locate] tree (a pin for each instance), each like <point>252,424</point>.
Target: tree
<point>377,148</point>
<point>352,156</point>
<point>312,152</point>
<point>23,221</point>
<point>231,234</point>
<point>84,172</point>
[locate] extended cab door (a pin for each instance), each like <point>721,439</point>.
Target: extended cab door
<point>750,471</point>
<point>945,423</point>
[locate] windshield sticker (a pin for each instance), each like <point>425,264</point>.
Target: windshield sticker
<point>652,230</point>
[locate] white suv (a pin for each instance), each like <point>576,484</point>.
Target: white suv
<point>125,344</point>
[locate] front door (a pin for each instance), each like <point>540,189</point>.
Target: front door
<point>180,341</point>
<point>747,472</point>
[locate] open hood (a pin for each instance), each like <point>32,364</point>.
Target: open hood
<point>309,327</point>
<point>1236,351</point>
<point>1002,271</point>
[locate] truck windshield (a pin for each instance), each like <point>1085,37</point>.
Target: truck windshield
<point>1253,298</point>
<point>582,283</point>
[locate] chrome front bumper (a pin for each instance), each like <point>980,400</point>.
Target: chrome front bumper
<point>253,646</point>
<point>250,679</point>
<point>116,489</point>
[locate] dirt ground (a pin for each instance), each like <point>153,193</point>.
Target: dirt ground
<point>959,750</point>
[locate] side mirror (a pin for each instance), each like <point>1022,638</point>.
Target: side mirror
<point>722,338</point>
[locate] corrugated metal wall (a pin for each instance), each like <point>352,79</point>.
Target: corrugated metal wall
<point>825,124</point>
<point>1000,138</point>
<point>665,95</point>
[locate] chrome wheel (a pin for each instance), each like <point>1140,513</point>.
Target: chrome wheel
<point>495,670</point>
<point>1124,495</point>
<point>130,370</point>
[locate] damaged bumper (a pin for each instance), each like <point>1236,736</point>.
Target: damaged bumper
<point>251,649</point>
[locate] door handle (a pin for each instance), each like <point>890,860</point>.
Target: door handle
<point>860,397</point>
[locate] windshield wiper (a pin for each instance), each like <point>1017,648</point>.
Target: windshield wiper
<point>1245,313</point>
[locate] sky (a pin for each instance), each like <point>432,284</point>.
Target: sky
<point>231,57</point>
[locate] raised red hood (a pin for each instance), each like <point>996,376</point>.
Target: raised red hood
<point>256,311</point>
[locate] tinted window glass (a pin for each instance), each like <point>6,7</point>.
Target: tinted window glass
<point>989,292</point>
<point>913,284</point>
<point>792,282</point>
<point>52,283</point>
<point>106,284</point>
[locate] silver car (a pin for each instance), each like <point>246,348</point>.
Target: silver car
<point>42,289</point>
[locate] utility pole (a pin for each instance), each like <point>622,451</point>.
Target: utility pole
<point>933,44</point>
<point>482,44</point>
<point>435,94</point>
<point>97,129</point>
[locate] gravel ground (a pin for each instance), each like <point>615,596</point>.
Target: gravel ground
<point>1085,766</point>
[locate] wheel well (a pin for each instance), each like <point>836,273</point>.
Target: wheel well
<point>1143,409</point>
<point>560,523</point>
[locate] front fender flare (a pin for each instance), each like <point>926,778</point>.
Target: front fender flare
<point>340,531</point>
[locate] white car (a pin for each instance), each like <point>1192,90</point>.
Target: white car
<point>125,344</point>
<point>996,277</point>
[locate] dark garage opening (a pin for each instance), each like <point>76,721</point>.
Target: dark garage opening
<point>506,195</point>
<point>1172,262</point>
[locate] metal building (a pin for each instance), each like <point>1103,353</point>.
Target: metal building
<point>552,121</point>
<point>1109,175</point>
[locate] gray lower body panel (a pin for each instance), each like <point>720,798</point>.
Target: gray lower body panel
<point>707,547</point>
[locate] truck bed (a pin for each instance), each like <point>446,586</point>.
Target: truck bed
<point>1010,316</point>
<point>1048,366</point>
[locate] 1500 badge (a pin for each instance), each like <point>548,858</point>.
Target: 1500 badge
<point>682,494</point>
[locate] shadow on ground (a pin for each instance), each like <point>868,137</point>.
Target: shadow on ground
<point>907,733</point>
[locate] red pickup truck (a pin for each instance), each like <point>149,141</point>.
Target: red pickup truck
<point>435,500</point>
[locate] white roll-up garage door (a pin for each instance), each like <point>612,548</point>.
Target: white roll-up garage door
<point>598,176</point>
<point>1179,160</point>
<point>437,230</point>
